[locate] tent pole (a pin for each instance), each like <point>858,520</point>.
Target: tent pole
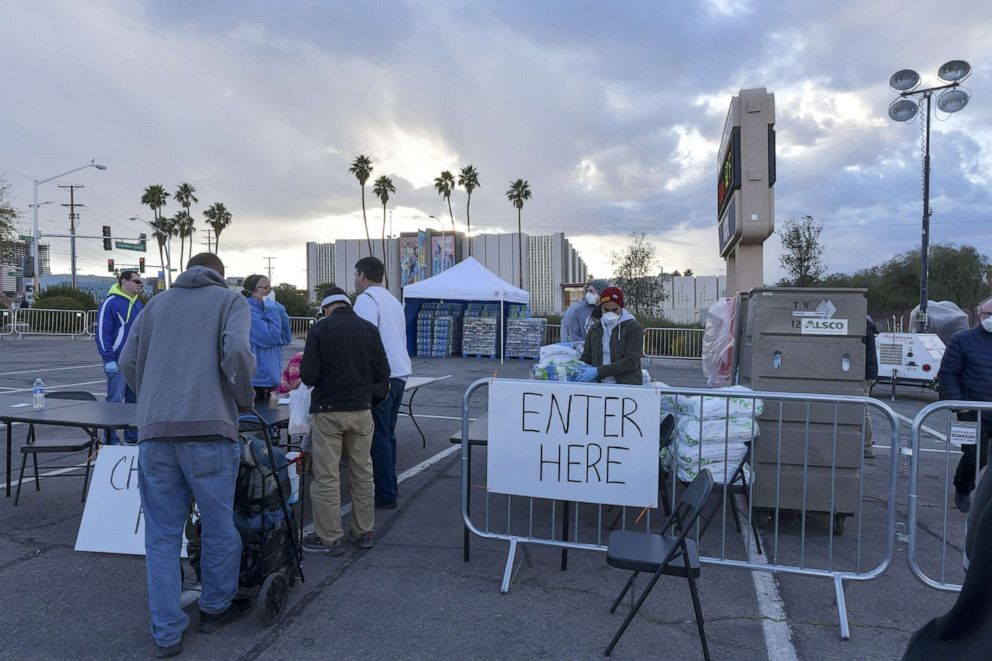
<point>502,340</point>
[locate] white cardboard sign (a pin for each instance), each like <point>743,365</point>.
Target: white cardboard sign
<point>112,519</point>
<point>823,326</point>
<point>964,433</point>
<point>589,443</point>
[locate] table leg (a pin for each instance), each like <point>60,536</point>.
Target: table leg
<point>409,411</point>
<point>9,440</point>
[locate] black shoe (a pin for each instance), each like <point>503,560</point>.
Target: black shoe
<point>385,504</point>
<point>312,543</point>
<point>962,501</point>
<point>363,541</point>
<point>210,622</point>
<point>170,651</point>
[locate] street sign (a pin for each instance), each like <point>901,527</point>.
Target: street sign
<point>125,245</point>
<point>24,237</point>
<point>16,274</point>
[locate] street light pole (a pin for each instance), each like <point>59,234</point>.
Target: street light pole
<point>35,234</point>
<point>925,243</point>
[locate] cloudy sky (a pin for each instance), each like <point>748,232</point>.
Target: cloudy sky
<point>612,112</point>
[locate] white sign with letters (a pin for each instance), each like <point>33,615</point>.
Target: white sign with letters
<point>964,433</point>
<point>112,519</point>
<point>823,326</point>
<point>588,443</point>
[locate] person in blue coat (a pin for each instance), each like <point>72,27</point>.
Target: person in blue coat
<point>270,332</point>
<point>113,323</point>
<point>966,374</point>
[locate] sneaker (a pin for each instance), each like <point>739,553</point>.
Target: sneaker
<point>170,651</point>
<point>312,543</point>
<point>362,541</point>
<point>210,622</point>
<point>385,504</point>
<point>869,452</point>
<point>962,501</point>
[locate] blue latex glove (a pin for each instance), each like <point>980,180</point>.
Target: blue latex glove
<point>110,368</point>
<point>587,375</point>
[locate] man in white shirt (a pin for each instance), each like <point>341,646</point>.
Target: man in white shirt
<point>376,305</point>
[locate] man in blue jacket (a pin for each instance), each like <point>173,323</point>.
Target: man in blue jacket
<point>113,324</point>
<point>966,374</point>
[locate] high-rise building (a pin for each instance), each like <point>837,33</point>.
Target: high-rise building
<point>13,257</point>
<point>553,264</point>
<point>320,265</point>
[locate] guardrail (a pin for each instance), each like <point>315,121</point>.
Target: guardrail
<point>300,326</point>
<point>36,321</point>
<point>673,342</point>
<point>805,454</point>
<point>936,527</point>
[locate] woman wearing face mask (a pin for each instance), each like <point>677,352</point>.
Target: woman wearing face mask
<point>615,345</point>
<point>576,320</point>
<point>270,332</point>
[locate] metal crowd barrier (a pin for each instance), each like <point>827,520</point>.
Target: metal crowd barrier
<point>300,326</point>
<point>6,321</point>
<point>552,334</point>
<point>673,342</point>
<point>36,321</point>
<point>803,476</point>
<point>936,528</point>
<point>91,322</point>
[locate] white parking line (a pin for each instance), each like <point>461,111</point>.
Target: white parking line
<point>64,385</point>
<point>29,478</point>
<point>52,369</point>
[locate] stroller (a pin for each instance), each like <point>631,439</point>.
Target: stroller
<point>270,556</point>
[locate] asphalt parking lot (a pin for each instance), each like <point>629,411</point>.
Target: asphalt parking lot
<point>413,596</point>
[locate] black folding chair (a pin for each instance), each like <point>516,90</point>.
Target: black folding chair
<point>668,554</point>
<point>35,446</point>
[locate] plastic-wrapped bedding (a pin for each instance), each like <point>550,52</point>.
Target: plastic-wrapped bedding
<point>712,408</point>
<point>715,432</point>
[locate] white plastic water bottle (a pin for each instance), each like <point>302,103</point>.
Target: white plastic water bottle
<point>38,394</point>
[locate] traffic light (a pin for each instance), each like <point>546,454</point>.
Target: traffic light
<point>110,265</point>
<point>28,266</point>
<point>143,240</point>
<point>141,265</point>
<point>106,238</point>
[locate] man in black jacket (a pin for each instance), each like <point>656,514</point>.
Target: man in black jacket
<point>345,364</point>
<point>966,374</point>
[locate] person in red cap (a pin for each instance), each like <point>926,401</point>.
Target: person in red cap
<point>615,345</point>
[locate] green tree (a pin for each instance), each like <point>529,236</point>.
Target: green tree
<point>320,288</point>
<point>296,303</point>
<point>802,252</point>
<point>382,187</point>
<point>8,213</point>
<point>637,273</point>
<point>468,178</point>
<point>185,195</point>
<point>444,185</point>
<point>83,298</point>
<point>155,197</point>
<point>517,194</point>
<point>361,167</point>
<point>183,227</point>
<point>218,217</point>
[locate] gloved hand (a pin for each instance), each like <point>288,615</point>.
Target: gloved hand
<point>111,367</point>
<point>587,375</point>
<point>271,296</point>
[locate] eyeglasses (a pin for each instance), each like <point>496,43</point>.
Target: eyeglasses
<point>137,282</point>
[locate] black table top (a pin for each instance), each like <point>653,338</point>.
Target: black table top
<point>273,413</point>
<point>74,413</point>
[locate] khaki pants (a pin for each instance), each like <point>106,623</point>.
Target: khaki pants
<point>350,432</point>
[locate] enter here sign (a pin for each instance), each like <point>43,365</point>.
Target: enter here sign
<point>589,443</point>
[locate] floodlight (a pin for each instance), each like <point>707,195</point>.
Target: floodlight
<point>952,100</point>
<point>903,110</point>
<point>904,80</point>
<point>954,71</point>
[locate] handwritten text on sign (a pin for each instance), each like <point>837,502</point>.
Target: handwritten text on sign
<point>112,519</point>
<point>570,441</point>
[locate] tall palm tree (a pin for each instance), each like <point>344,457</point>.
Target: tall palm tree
<point>519,192</point>
<point>155,197</point>
<point>184,229</point>
<point>218,217</point>
<point>361,167</point>
<point>468,178</point>
<point>444,185</point>
<point>382,187</point>
<point>185,195</point>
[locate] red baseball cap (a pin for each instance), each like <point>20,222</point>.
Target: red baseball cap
<point>612,295</point>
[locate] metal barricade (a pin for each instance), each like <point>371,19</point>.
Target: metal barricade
<point>673,342</point>
<point>36,321</point>
<point>91,322</point>
<point>6,321</point>
<point>300,326</point>
<point>773,466</point>
<point>936,528</point>
<point>552,334</point>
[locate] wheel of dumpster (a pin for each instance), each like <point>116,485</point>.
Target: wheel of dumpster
<point>762,518</point>
<point>839,520</point>
<point>272,598</point>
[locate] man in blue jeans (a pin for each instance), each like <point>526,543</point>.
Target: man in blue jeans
<point>192,379</point>
<point>113,324</point>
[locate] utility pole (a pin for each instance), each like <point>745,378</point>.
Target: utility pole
<point>269,267</point>
<point>73,221</point>
<point>208,242</point>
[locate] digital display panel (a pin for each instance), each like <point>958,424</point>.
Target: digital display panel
<point>729,178</point>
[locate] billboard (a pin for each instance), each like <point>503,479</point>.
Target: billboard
<point>442,253</point>
<point>410,271</point>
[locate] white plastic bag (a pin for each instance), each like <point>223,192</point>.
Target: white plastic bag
<point>299,410</point>
<point>713,408</point>
<point>718,342</point>
<point>692,431</point>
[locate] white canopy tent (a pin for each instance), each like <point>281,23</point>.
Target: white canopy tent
<point>467,281</point>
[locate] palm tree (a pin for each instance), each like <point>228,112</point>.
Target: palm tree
<point>382,187</point>
<point>184,229</point>
<point>518,192</point>
<point>468,179</point>
<point>444,185</point>
<point>361,167</point>
<point>155,197</point>
<point>218,217</point>
<point>185,195</point>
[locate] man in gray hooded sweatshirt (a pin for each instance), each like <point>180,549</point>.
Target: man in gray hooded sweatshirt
<point>189,360</point>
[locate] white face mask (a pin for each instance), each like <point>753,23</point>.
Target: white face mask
<point>610,318</point>
<point>987,324</point>
<point>591,298</point>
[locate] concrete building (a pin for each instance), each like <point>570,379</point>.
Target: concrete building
<point>687,298</point>
<point>320,265</point>
<point>553,264</point>
<point>12,260</point>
